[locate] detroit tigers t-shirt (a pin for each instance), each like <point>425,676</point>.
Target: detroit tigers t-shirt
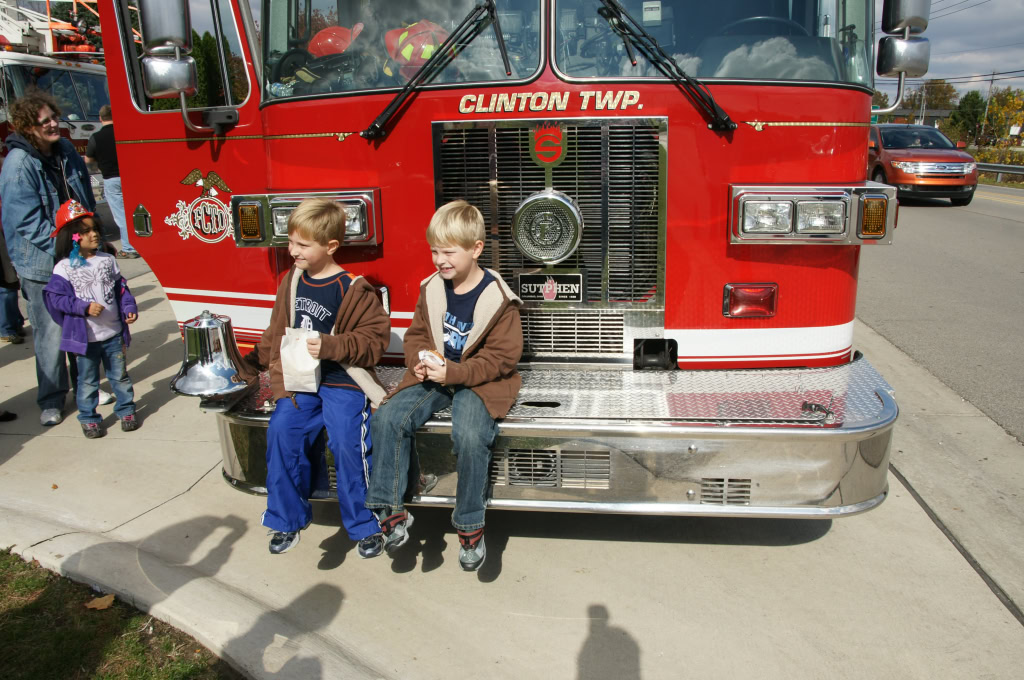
<point>316,307</point>
<point>458,318</point>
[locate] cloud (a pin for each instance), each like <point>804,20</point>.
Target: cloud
<point>773,58</point>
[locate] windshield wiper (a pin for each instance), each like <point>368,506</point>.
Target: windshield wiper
<point>627,28</point>
<point>463,34</point>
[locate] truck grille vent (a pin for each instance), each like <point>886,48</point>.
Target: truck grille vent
<point>724,491</point>
<point>611,169</point>
<point>576,332</point>
<point>551,468</point>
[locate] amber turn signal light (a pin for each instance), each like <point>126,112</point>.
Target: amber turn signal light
<point>249,223</point>
<point>872,218</point>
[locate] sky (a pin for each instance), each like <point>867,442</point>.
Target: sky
<point>970,38</point>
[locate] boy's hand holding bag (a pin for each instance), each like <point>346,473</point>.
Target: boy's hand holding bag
<point>301,370</point>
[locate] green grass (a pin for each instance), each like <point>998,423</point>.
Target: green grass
<point>47,632</point>
<point>990,179</point>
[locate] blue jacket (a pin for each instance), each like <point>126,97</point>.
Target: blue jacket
<point>69,311</point>
<point>30,202</point>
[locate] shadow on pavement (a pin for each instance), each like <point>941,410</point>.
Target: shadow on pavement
<point>609,652</point>
<point>432,534</point>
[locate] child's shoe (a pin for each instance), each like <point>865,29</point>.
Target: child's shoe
<point>371,546</point>
<point>395,528</point>
<point>103,397</point>
<point>129,423</point>
<point>283,541</point>
<point>92,430</point>
<point>472,551</point>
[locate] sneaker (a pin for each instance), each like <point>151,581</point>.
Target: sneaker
<point>371,546</point>
<point>129,423</point>
<point>105,397</point>
<point>395,529</point>
<point>15,339</point>
<point>283,541</point>
<point>472,551</point>
<point>92,430</point>
<point>427,482</point>
<point>50,416</point>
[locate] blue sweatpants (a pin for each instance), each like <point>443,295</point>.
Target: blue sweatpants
<point>292,431</point>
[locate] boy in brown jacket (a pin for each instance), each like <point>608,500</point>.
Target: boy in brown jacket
<point>319,295</point>
<point>461,350</point>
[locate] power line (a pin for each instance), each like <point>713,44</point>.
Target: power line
<point>979,49</point>
<point>956,11</point>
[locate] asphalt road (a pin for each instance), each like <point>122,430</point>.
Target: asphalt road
<point>950,293</point>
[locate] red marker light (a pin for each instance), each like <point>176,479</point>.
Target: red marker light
<point>750,300</point>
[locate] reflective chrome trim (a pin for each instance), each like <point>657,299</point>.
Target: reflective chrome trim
<point>852,196</point>
<point>755,461</point>
<point>678,509</point>
<point>368,198</point>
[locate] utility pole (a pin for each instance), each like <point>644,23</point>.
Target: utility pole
<point>924,96</point>
<point>988,100</point>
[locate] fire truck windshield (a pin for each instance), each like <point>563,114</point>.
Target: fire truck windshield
<point>315,47</point>
<point>806,40</point>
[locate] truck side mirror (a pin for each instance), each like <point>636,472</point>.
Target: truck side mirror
<point>903,56</point>
<point>167,70</point>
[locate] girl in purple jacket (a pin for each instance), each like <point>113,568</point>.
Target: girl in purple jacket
<point>90,301</point>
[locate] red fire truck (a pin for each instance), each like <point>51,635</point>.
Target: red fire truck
<point>675,189</point>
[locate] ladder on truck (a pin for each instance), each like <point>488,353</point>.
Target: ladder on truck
<point>27,30</point>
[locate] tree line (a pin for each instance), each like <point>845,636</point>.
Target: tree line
<point>968,121</point>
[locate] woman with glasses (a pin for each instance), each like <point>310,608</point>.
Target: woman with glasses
<point>42,170</point>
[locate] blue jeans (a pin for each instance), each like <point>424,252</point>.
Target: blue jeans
<point>110,353</point>
<point>112,192</point>
<point>293,429</point>
<point>51,365</point>
<point>394,437</point>
<point>11,319</point>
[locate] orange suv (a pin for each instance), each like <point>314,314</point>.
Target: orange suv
<point>921,162</point>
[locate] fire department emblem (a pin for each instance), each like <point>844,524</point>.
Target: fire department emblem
<point>547,145</point>
<point>206,218</point>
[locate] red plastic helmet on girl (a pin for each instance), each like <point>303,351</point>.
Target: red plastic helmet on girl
<point>69,211</point>
<point>333,40</point>
<point>412,46</point>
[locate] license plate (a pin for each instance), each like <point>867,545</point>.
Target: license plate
<point>551,287</point>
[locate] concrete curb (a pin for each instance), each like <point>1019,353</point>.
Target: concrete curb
<point>273,646</point>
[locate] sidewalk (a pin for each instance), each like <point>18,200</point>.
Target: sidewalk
<point>147,516</point>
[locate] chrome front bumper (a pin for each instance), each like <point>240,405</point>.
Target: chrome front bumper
<point>810,443</point>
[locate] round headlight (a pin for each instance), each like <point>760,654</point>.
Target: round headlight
<point>547,227</point>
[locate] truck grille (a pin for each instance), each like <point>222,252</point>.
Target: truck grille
<point>723,491</point>
<point>551,468</point>
<point>612,169</point>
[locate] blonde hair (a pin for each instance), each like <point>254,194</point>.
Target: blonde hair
<point>318,219</point>
<point>456,223</point>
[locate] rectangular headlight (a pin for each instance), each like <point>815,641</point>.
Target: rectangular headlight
<point>820,217</point>
<point>280,217</point>
<point>767,217</point>
<point>355,221</point>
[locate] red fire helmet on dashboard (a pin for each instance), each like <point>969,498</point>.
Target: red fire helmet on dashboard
<point>410,47</point>
<point>332,40</point>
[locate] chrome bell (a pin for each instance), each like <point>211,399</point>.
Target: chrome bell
<point>210,367</point>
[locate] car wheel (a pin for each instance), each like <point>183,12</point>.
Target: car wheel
<point>961,202</point>
<point>879,176</point>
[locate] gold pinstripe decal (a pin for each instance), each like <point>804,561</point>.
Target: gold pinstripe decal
<point>760,125</point>
<point>341,136</point>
